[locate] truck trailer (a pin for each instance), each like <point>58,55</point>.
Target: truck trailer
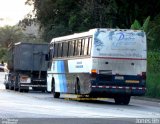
<point>27,67</point>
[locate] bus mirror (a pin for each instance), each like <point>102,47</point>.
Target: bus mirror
<point>47,57</point>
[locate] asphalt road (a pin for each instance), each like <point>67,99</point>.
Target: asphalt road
<point>37,105</point>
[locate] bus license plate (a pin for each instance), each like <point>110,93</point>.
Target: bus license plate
<point>119,78</point>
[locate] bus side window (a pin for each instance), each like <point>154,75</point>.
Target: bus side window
<point>89,45</point>
<point>86,46</point>
<point>59,49</point>
<point>82,46</point>
<point>65,49</point>
<point>51,52</point>
<point>78,47</point>
<point>55,49</point>
<point>71,48</point>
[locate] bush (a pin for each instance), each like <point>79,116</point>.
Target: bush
<point>153,75</point>
<point>153,61</point>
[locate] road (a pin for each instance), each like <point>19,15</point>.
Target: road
<point>43,105</point>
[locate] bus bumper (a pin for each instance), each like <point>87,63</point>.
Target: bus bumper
<point>111,90</point>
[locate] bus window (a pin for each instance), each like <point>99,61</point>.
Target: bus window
<point>71,48</point>
<point>65,49</point>
<point>59,49</point>
<point>75,47</point>
<point>89,46</point>
<point>86,46</point>
<point>82,46</point>
<point>78,47</point>
<point>55,49</point>
<point>51,51</point>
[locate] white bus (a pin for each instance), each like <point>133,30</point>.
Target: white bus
<point>99,63</point>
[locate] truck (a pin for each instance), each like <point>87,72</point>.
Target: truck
<point>27,67</point>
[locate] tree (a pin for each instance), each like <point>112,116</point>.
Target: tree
<point>62,17</point>
<point>10,35</point>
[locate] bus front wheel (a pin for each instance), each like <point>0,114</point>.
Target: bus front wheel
<point>77,87</point>
<point>55,94</point>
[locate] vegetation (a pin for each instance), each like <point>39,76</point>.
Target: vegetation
<point>153,75</point>
<point>10,35</point>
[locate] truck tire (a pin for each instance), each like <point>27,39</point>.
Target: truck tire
<point>15,88</point>
<point>6,87</point>
<point>43,91</point>
<point>20,89</point>
<point>10,87</point>
<point>55,94</point>
<point>26,90</point>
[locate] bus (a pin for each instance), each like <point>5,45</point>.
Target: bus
<point>106,63</point>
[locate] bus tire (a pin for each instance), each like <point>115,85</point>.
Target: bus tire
<point>126,100</point>
<point>77,87</point>
<point>117,100</point>
<point>43,91</point>
<point>55,94</point>
<point>122,99</point>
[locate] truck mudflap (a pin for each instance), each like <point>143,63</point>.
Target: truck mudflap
<point>133,91</point>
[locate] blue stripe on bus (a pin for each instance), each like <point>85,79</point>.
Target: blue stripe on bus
<point>64,77</point>
<point>58,76</point>
<point>61,77</point>
<point>61,80</point>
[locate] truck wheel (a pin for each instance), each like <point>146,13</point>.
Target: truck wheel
<point>55,94</point>
<point>26,90</point>
<point>20,89</point>
<point>6,87</point>
<point>43,91</point>
<point>15,88</point>
<point>10,87</point>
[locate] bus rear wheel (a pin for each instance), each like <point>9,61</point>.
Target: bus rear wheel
<point>122,99</point>
<point>55,94</point>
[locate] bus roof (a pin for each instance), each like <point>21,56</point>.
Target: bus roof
<point>75,35</point>
<point>87,33</point>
